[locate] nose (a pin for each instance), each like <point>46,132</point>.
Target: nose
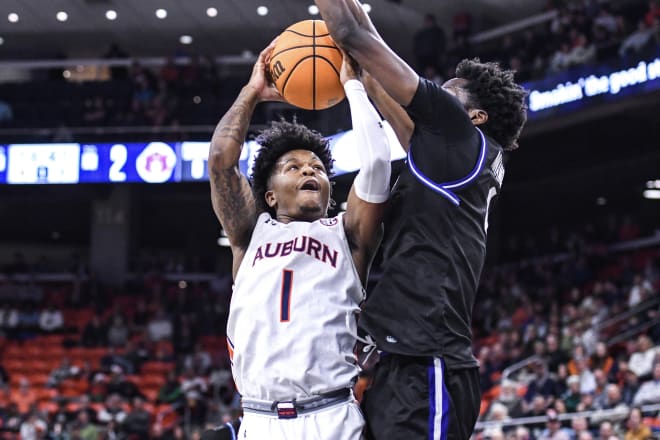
<point>308,170</point>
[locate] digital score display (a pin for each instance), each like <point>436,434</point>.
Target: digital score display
<point>151,162</point>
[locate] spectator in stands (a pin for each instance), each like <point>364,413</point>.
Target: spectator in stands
<point>636,430</point>
<point>429,44</point>
<point>83,428</point>
<point>579,425</point>
<point>120,385</point>
<point>33,428</point>
<point>194,388</point>
<point>51,319</point>
<point>649,392</point>
<point>11,417</point>
<point>554,355</point>
<point>171,392</point>
<point>606,431</point>
<point>509,399</point>
<point>137,422</point>
<point>6,112</point>
<point>641,361</point>
<point>118,332</point>
<point>94,333</point>
<point>630,387</point>
<point>116,52</point>
<point>25,397</point>
<point>640,291</point>
<point>64,371</point>
<point>553,430</point>
<point>112,411</point>
<point>571,397</point>
<point>543,384</point>
<point>200,360</point>
<point>4,379</point>
<point>582,52</point>
<point>600,396</point>
<point>637,41</point>
<point>586,402</point>
<point>160,326</point>
<point>601,359</point>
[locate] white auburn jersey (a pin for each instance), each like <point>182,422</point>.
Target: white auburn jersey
<point>292,320</point>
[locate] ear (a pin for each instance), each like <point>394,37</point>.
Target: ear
<point>478,116</point>
<point>270,198</point>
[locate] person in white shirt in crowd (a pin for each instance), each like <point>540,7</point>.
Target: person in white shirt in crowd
<point>160,327</point>
<point>636,41</point>
<point>649,392</point>
<point>641,361</point>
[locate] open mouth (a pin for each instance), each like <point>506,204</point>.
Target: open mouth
<point>310,185</point>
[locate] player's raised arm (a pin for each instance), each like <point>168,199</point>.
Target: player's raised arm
<point>352,29</point>
<point>231,195</point>
<point>390,110</point>
<point>371,188</point>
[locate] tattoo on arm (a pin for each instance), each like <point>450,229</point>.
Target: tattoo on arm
<point>232,197</point>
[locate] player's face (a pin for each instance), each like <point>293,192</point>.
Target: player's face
<point>299,187</point>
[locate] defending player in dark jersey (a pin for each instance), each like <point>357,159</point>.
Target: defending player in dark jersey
<point>426,384</point>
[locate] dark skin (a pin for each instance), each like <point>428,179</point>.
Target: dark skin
<point>393,82</point>
<point>299,188</point>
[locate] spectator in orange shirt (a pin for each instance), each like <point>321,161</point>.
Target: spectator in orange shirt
<point>636,429</point>
<point>24,397</point>
<point>601,360</point>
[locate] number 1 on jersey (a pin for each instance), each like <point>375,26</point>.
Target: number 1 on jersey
<point>285,298</point>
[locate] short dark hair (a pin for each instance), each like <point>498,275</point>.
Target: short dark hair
<point>495,91</point>
<point>280,138</point>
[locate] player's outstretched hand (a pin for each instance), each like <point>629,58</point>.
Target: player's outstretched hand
<point>350,69</point>
<point>260,78</point>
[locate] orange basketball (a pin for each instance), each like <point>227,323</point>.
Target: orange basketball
<point>305,66</point>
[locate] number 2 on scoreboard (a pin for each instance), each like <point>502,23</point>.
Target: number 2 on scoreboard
<point>285,297</point>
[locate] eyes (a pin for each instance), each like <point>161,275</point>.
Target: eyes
<point>296,167</point>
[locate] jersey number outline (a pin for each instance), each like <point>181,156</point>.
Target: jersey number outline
<point>285,296</point>
<point>491,193</point>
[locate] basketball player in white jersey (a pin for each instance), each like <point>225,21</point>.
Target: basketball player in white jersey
<point>298,275</point>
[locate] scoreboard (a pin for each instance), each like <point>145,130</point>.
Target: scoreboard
<point>150,162</point>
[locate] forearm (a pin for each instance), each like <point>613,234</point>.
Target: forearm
<point>392,112</point>
<point>230,133</point>
<point>373,148</point>
<point>345,21</point>
<point>231,195</point>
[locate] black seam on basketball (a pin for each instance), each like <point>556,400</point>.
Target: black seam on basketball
<point>314,68</point>
<point>324,46</point>
<point>305,35</point>
<point>327,60</point>
<point>291,72</point>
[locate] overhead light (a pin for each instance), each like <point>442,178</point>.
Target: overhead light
<point>601,201</point>
<point>262,10</point>
<point>652,194</point>
<point>185,39</point>
<point>212,12</point>
<point>110,14</point>
<point>12,17</point>
<point>653,184</point>
<point>366,7</point>
<point>62,16</point>
<point>197,99</point>
<point>2,41</point>
<point>161,13</point>
<point>313,10</point>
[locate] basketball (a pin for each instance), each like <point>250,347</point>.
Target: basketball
<point>305,66</point>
